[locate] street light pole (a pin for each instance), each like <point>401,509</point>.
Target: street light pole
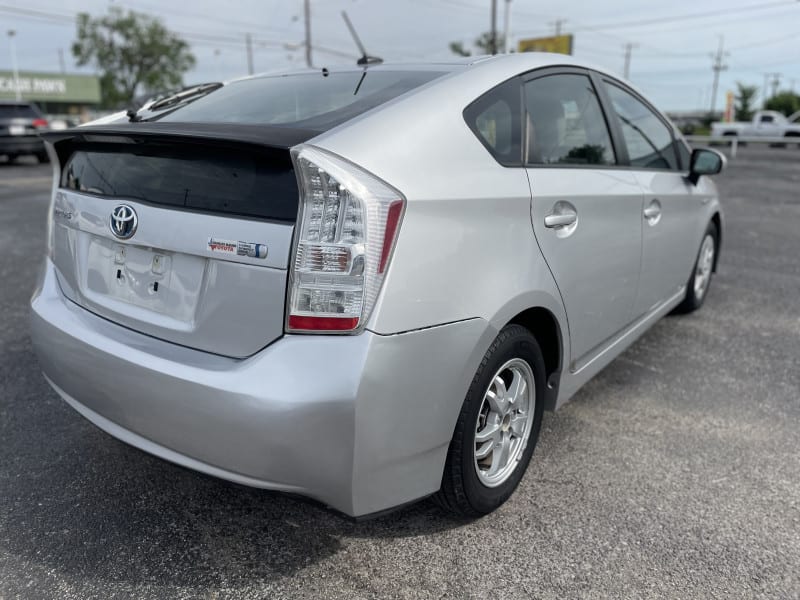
<point>11,34</point>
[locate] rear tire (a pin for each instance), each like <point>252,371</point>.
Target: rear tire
<point>473,484</point>
<point>42,157</point>
<point>700,279</point>
<point>793,137</point>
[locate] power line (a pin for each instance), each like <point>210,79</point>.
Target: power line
<point>194,37</point>
<point>244,25</point>
<point>766,42</point>
<point>688,16</point>
<point>66,19</point>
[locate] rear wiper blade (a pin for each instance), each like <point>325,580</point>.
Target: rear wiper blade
<point>183,95</point>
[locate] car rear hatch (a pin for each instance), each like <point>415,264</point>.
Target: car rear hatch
<point>19,120</point>
<point>179,231</point>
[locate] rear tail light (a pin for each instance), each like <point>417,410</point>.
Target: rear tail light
<point>346,232</point>
<point>39,123</point>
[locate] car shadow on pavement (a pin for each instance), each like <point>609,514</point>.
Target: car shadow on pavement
<point>97,508</point>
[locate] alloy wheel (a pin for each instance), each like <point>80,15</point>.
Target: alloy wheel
<point>504,422</point>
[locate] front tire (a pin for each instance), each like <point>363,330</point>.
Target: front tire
<point>700,279</point>
<point>497,428</point>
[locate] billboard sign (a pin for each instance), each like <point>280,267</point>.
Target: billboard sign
<point>50,87</point>
<point>560,44</point>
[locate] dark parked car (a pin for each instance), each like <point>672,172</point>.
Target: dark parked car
<point>20,124</point>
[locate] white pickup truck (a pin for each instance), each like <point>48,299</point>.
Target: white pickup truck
<point>765,123</point>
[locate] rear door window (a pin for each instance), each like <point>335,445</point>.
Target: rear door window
<point>565,124</point>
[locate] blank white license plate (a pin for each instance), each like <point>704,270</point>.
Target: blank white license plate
<point>16,129</point>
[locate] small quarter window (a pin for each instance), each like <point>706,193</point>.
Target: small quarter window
<point>494,118</point>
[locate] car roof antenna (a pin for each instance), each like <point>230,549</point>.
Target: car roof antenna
<point>365,59</point>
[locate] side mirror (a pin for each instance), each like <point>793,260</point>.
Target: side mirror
<point>705,162</point>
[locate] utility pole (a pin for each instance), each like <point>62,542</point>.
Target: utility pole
<point>248,41</point>
<point>11,34</point>
<point>506,18</point>
<point>493,40</point>
<point>717,66</point>
<point>61,60</point>
<point>557,25</point>
<point>628,49</point>
<point>776,82</point>
<point>307,13</point>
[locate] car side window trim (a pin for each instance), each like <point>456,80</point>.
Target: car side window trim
<point>620,151</point>
<point>657,113</point>
<point>617,137</point>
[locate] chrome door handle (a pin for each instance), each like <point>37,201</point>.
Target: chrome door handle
<point>561,219</point>
<point>651,212</point>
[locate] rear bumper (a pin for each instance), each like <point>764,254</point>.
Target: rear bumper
<point>23,144</point>
<point>361,423</point>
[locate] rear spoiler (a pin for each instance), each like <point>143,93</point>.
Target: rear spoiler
<point>270,136</point>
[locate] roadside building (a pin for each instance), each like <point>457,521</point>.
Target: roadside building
<point>75,96</point>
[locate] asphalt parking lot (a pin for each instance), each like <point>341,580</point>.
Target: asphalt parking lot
<point>674,473</point>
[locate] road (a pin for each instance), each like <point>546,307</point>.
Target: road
<point>674,473</point>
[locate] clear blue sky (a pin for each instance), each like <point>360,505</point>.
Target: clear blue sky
<point>671,62</point>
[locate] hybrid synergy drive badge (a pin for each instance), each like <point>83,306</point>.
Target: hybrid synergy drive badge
<point>249,249</point>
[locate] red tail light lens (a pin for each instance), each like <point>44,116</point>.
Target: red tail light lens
<point>392,223</point>
<point>345,236</point>
<point>300,322</point>
<point>40,123</point>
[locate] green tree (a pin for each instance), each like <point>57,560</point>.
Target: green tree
<point>743,106</point>
<point>483,43</point>
<point>133,52</point>
<point>785,102</point>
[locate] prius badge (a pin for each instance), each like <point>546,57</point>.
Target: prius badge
<point>123,221</point>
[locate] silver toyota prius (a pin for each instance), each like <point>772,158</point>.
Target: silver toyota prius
<point>366,285</point>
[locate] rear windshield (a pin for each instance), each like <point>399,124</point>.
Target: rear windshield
<point>18,111</point>
<point>316,101</point>
<point>232,181</point>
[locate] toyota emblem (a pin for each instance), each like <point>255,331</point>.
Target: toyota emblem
<point>123,221</point>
